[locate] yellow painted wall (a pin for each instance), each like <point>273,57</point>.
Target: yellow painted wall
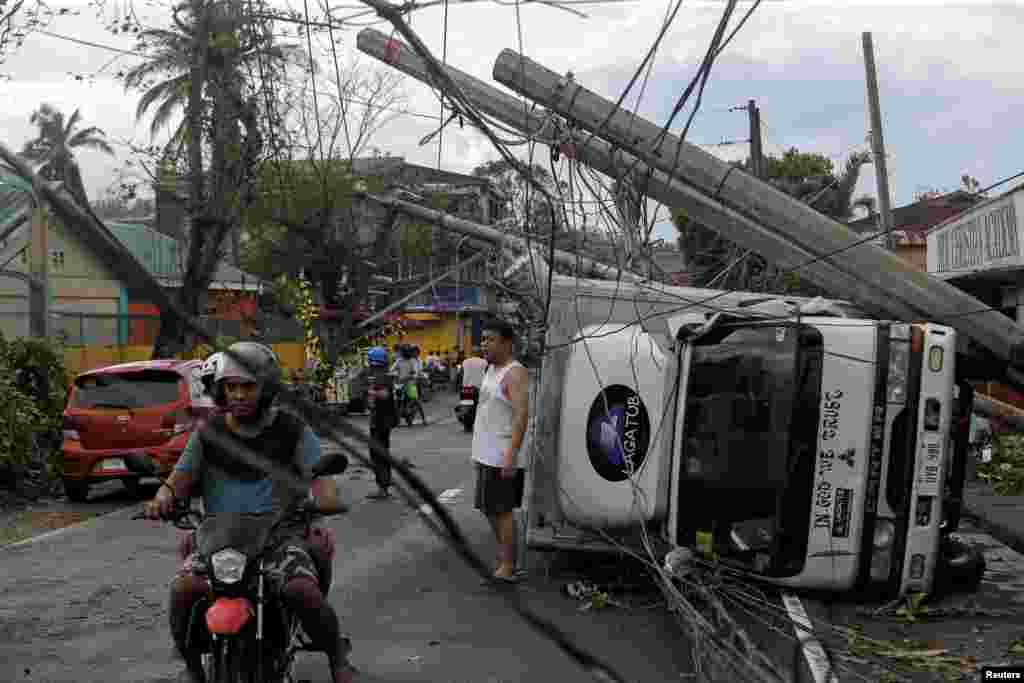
<point>83,358</point>
<point>440,335</point>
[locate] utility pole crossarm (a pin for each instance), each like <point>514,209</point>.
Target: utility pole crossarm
<point>898,286</point>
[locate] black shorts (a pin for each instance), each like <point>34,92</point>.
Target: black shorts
<point>495,495</point>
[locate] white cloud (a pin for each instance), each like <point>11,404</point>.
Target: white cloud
<point>920,45</point>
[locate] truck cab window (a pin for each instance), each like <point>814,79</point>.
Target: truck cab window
<point>750,433</point>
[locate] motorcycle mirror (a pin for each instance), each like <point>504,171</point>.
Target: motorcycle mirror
<point>140,464</point>
<point>331,465</point>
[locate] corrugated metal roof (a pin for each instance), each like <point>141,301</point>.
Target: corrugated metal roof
<point>164,256</point>
<point>159,253</point>
<point>15,199</point>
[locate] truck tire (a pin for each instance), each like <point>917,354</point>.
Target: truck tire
<point>76,491</point>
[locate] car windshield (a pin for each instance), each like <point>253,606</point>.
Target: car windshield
<point>127,390</point>
<point>750,431</point>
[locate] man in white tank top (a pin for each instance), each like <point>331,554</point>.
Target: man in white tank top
<point>501,417</point>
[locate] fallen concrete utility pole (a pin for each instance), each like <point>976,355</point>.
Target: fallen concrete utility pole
<point>499,238</point>
<point>905,287</point>
<point>614,162</point>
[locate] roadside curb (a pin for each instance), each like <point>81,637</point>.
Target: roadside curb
<point>127,511</point>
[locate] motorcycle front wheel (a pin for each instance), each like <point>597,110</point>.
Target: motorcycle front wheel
<point>225,666</point>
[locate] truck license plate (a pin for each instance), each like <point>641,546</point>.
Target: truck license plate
<point>928,473</point>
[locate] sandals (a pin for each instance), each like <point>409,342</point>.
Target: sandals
<point>493,580</point>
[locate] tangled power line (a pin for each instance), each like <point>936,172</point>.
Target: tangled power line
<point>698,600</point>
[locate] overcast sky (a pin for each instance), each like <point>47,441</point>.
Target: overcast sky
<point>949,77</point>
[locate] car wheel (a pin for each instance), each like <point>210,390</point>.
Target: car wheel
<point>133,485</point>
<point>76,491</point>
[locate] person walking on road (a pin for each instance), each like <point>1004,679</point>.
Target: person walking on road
<point>473,369</point>
<point>498,432</point>
<point>383,418</point>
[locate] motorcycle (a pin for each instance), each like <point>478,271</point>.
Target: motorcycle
<point>465,410</point>
<point>406,405</point>
<point>249,636</point>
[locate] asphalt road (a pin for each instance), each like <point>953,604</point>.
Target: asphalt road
<point>89,604</point>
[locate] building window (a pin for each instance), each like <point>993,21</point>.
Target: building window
<point>57,259</point>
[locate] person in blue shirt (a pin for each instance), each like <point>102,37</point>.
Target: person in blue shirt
<point>242,499</point>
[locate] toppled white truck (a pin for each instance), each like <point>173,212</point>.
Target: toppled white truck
<point>793,438</point>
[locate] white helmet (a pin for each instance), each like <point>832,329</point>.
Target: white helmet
<point>208,371</point>
<point>210,365</point>
<point>263,368</point>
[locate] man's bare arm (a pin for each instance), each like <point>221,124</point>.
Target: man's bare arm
<point>517,389</point>
<point>180,483</point>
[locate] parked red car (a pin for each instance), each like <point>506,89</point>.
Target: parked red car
<point>148,407</point>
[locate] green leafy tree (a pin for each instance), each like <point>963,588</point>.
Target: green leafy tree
<point>53,148</point>
<point>811,178</point>
<point>222,135</point>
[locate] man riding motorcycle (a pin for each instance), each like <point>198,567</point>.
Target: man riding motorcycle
<point>406,370</point>
<point>234,491</point>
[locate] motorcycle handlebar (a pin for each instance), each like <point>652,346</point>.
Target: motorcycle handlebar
<point>179,517</point>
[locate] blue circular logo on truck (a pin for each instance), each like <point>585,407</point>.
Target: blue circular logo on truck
<point>618,432</point>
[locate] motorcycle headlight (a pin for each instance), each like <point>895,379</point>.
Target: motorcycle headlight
<point>899,365</point>
<point>228,565</point>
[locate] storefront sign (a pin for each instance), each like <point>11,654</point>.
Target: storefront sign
<point>986,237</point>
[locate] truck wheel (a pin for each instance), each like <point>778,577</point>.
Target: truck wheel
<point>76,491</point>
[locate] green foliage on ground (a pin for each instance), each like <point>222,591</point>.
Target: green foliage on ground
<point>33,392</point>
<point>1005,472</point>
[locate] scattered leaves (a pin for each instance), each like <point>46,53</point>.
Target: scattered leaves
<point>1005,472</point>
<point>909,656</point>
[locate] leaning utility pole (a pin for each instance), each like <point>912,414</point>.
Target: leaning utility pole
<point>756,150</point>
<point>616,163</point>
<point>880,273</point>
<point>877,145</point>
<point>497,237</point>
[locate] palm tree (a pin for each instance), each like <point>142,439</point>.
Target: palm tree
<point>53,148</point>
<point>165,78</point>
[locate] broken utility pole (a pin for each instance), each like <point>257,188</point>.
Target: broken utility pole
<point>503,239</point>
<point>616,163</point>
<point>899,284</point>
